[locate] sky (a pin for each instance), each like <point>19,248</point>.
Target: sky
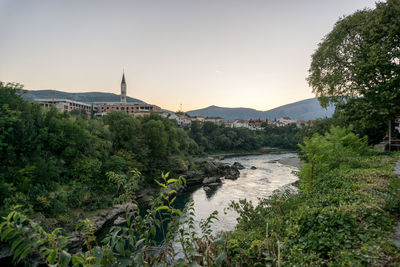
<point>194,53</point>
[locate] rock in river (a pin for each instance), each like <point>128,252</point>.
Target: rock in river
<point>238,166</point>
<point>209,180</point>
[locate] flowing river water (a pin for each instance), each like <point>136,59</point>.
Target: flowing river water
<point>269,174</point>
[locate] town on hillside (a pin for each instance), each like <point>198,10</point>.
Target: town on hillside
<point>101,109</point>
<point>184,120</point>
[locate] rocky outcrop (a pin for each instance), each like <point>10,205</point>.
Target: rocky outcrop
<point>112,214</point>
<point>110,217</point>
<point>230,172</point>
<point>210,168</point>
<point>211,171</point>
<point>194,177</point>
<point>211,180</point>
<point>238,166</point>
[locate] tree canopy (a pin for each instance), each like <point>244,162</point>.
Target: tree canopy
<point>358,63</point>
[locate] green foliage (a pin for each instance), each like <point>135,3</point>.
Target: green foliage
<point>27,237</point>
<point>358,61</point>
<point>324,153</point>
<point>213,138</point>
<point>344,218</point>
<point>64,159</point>
<point>129,184</point>
<point>343,214</point>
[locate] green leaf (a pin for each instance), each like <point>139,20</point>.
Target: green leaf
<point>170,181</point>
<point>160,184</point>
<point>176,211</point>
<point>194,264</point>
<point>19,251</point>
<point>120,247</point>
<point>220,240</point>
<point>138,260</point>
<point>16,242</point>
<point>162,208</point>
<point>65,258</point>
<point>25,253</point>
<point>171,192</point>
<point>220,258</point>
<point>52,257</point>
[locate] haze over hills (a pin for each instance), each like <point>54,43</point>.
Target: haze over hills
<point>308,109</point>
<point>82,97</point>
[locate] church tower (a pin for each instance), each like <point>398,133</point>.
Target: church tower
<point>123,89</point>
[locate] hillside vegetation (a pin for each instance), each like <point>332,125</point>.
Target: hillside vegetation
<point>343,215</point>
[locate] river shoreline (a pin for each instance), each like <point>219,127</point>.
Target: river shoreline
<point>104,219</point>
<point>262,151</point>
<point>260,176</point>
<point>291,161</point>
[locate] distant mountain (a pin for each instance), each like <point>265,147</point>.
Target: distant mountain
<point>81,97</point>
<point>308,109</point>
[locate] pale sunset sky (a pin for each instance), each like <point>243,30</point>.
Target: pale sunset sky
<point>231,53</point>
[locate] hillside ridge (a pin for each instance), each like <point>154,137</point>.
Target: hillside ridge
<point>308,109</point>
<point>81,97</point>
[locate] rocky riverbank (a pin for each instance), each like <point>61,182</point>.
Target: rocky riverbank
<point>210,171</point>
<point>291,161</point>
<point>263,150</point>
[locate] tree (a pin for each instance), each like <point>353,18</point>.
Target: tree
<point>156,138</point>
<point>358,62</point>
<point>125,130</point>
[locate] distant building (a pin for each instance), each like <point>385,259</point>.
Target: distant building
<point>285,121</point>
<point>228,124</point>
<point>238,123</point>
<point>123,89</point>
<point>301,123</point>
<point>135,109</point>
<point>216,120</point>
<point>67,105</point>
<point>183,120</point>
<point>199,119</point>
<point>102,108</point>
<point>255,126</point>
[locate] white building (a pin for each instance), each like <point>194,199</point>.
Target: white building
<point>228,124</point>
<point>240,124</point>
<point>216,120</point>
<point>67,105</point>
<point>285,121</point>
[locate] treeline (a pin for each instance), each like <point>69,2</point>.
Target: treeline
<point>52,161</point>
<point>213,138</point>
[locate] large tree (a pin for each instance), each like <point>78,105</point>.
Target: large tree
<point>358,64</point>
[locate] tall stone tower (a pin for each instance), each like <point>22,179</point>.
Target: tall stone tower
<point>123,89</point>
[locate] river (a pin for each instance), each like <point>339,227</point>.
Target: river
<point>252,184</point>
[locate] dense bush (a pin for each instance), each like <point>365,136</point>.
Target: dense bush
<point>343,214</point>
<point>52,161</point>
